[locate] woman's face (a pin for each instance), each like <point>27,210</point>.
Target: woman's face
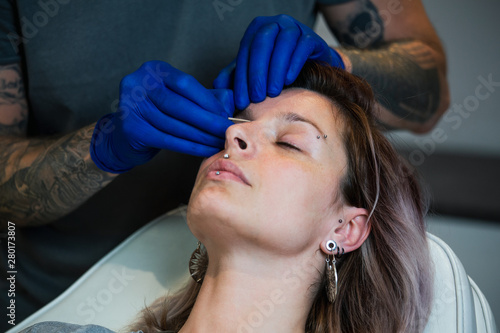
<point>278,188</point>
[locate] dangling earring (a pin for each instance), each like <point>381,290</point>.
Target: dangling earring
<point>198,263</point>
<point>331,272</point>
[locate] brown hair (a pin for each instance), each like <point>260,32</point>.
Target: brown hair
<point>386,284</point>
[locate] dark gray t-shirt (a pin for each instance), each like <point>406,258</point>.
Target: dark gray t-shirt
<point>74,54</point>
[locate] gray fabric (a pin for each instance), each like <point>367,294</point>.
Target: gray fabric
<point>59,327</point>
<point>74,54</point>
<point>8,29</point>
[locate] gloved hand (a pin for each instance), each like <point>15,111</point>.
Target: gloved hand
<point>272,53</point>
<point>161,107</point>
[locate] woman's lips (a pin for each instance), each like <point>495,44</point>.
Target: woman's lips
<point>227,170</point>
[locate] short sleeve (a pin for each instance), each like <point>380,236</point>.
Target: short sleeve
<point>9,33</point>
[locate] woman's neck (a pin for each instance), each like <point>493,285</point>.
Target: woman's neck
<point>252,295</point>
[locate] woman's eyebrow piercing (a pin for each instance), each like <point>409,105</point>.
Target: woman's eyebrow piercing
<point>238,120</point>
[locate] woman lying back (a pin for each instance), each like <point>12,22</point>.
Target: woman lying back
<point>308,218</point>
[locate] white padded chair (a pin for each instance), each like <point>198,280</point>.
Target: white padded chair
<point>155,258</point>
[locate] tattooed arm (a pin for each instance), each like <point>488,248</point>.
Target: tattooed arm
<point>41,179</point>
<point>392,44</point>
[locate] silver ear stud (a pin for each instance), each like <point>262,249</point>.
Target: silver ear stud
<point>325,136</point>
<point>318,137</point>
<point>226,156</point>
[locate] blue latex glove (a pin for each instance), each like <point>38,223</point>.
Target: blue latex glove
<point>161,107</point>
<point>272,53</point>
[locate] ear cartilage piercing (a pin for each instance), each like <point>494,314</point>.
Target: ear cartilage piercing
<point>217,172</point>
<point>339,254</point>
<point>226,156</point>
<point>238,120</point>
<point>340,221</point>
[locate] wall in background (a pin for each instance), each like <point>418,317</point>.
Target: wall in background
<point>470,32</point>
<point>460,158</point>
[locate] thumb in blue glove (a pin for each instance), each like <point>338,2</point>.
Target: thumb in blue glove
<point>272,53</point>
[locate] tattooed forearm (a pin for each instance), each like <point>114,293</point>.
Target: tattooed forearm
<point>58,180</point>
<point>407,75</point>
<point>404,76</point>
<point>40,179</point>
<point>13,106</point>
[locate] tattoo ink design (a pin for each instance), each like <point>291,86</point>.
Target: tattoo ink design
<point>362,27</point>
<point>59,179</point>
<point>13,100</point>
<point>41,179</point>
<point>404,77</point>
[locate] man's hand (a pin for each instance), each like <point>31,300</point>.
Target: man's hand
<point>161,108</point>
<point>272,53</point>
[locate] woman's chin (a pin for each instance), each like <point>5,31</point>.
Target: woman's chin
<point>210,210</point>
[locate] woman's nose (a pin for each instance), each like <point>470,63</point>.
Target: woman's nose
<point>238,139</point>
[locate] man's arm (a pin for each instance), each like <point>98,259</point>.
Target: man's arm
<point>41,179</point>
<point>392,44</point>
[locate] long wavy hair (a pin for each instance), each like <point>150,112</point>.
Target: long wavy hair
<point>386,284</point>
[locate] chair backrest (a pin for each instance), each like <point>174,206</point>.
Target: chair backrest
<point>458,306</point>
<point>154,260</point>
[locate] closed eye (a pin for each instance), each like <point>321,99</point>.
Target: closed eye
<point>288,145</point>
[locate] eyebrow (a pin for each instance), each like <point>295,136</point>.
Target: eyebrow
<point>294,117</point>
<point>286,116</point>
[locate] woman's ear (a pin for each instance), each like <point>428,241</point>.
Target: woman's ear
<point>352,232</point>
